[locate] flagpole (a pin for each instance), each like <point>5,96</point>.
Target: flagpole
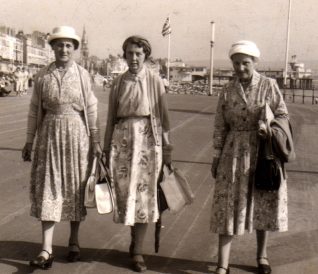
<point>287,46</point>
<point>211,57</point>
<point>168,63</point>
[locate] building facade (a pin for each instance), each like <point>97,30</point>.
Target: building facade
<point>31,50</point>
<point>11,50</point>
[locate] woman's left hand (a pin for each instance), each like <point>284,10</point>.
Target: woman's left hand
<point>166,159</point>
<point>97,150</point>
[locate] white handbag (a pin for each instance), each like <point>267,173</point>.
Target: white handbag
<point>98,191</point>
<point>89,198</point>
<point>103,192</point>
<point>176,189</point>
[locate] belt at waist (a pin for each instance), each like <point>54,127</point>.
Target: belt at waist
<point>243,129</point>
<point>132,117</point>
<point>63,110</point>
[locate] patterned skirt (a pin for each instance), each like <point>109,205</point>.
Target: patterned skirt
<point>135,162</point>
<point>60,169</point>
<point>237,205</point>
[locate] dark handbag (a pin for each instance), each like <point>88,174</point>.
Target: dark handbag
<point>267,172</point>
<point>267,175</point>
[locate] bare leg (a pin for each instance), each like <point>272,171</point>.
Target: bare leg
<point>225,242</point>
<point>262,238</point>
<point>73,241</point>
<point>139,232</point>
<point>73,245</point>
<point>47,238</point>
<point>262,261</point>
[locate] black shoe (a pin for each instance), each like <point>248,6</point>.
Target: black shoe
<point>221,267</point>
<point>263,268</point>
<point>74,256</point>
<point>42,262</point>
<point>138,265</point>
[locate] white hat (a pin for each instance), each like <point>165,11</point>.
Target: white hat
<point>245,47</point>
<point>64,32</point>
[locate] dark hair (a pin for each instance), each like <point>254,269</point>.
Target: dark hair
<point>140,42</point>
<point>75,42</point>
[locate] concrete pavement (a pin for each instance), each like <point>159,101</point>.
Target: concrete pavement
<point>187,246</point>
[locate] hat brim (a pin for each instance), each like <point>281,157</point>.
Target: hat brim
<point>254,54</point>
<point>54,37</point>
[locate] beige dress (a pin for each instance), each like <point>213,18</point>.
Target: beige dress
<point>135,160</point>
<point>237,206</point>
<point>61,160</point>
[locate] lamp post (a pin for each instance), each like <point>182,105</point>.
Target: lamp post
<point>211,57</point>
<point>287,46</point>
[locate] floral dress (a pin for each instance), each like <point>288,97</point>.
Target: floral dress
<point>237,206</point>
<point>134,159</point>
<point>61,160</point>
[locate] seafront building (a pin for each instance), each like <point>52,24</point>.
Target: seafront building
<point>11,50</point>
<point>19,49</point>
<point>34,52</point>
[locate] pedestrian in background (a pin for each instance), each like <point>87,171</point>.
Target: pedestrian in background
<point>137,144</point>
<point>237,204</point>
<point>25,80</point>
<point>18,78</point>
<point>63,114</point>
<point>165,83</point>
<point>105,81</point>
<point>5,86</point>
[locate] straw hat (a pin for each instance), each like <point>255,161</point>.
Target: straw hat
<point>64,32</point>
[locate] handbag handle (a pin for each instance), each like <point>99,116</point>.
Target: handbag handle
<point>167,169</point>
<point>94,167</point>
<point>104,172</point>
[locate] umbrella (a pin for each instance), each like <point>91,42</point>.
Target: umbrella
<point>162,205</point>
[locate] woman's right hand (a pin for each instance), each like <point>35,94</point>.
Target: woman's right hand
<point>26,152</point>
<point>215,164</point>
<point>262,129</point>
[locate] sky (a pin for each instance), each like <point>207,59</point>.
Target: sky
<point>109,22</point>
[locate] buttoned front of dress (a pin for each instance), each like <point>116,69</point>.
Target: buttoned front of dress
<point>133,98</point>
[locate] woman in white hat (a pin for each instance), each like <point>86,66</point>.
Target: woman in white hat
<point>237,204</point>
<point>63,116</point>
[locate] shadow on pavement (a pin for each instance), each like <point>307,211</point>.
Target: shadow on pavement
<point>9,148</point>
<point>289,248</point>
<point>19,253</point>
<point>192,111</point>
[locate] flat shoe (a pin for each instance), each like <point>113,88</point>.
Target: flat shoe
<point>42,262</point>
<point>226,269</point>
<point>74,256</point>
<point>139,266</point>
<point>263,268</point>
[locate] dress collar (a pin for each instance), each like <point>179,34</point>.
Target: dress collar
<point>255,79</point>
<point>136,77</point>
<point>254,82</point>
<point>52,66</point>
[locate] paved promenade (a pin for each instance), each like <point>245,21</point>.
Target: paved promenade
<point>187,246</point>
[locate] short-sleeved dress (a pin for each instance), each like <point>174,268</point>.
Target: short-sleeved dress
<point>237,206</point>
<point>61,160</point>
<point>134,159</point>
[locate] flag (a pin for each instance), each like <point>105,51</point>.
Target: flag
<point>166,29</point>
